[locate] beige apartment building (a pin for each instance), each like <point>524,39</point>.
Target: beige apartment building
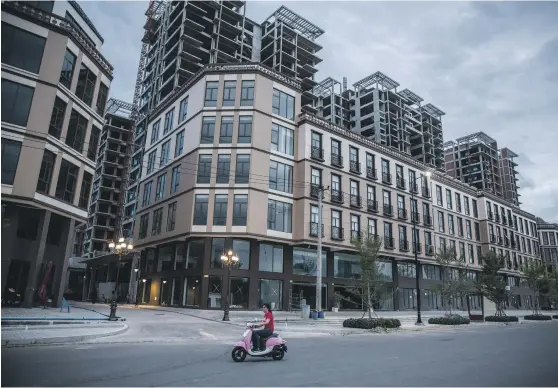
<point>55,84</point>
<point>233,164</point>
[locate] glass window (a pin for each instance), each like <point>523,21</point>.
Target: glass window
<point>441,223</point>
<point>475,210</point>
<point>102,99</point>
<point>282,139</point>
<point>208,130</point>
<point>346,266</point>
<point>200,209</point>
<point>211,91</point>
<point>240,210</point>
<point>171,217</point>
<point>458,202</point>
<point>204,168</point>
<point>183,111</point>
<point>169,119</point>
<point>10,160</point>
<point>271,291</point>
<point>93,143</point>
<point>450,224</point>
<point>16,103</point>
<point>271,258</point>
<point>283,104</point>
<point>449,201</point>
<point>165,153</point>
<point>21,48</point>
<point>280,177</point>
<point>179,146</point>
<point>226,134</point>
<point>157,221</point>
<point>155,131</point>
<point>242,172</point>
<point>241,248</point>
<point>57,117</point>
<point>245,130</point>
<point>195,255</point>
<point>45,173</point>
<point>239,294</point>
<point>247,93</point>
<point>217,250</point>
<point>165,258</point>
<point>229,93</point>
<point>151,161</point>
<point>220,210</point>
<point>406,270</point>
<point>214,292</point>
<point>144,221</point>
<point>68,66</point>
<point>430,272</point>
<point>223,168</point>
<point>279,216</point>
<point>85,191</point>
<point>160,190</point>
<point>67,179</point>
<point>147,193</point>
<point>305,262</point>
<point>439,198</point>
<point>86,84</point>
<point>76,131</point>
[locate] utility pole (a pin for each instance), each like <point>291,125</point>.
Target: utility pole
<point>321,191</point>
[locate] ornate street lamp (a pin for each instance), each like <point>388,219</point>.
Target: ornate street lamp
<point>121,248</point>
<point>229,260</point>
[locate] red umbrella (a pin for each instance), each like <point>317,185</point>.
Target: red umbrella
<point>46,278</point>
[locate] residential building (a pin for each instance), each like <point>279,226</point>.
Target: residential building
<point>509,176</point>
<point>55,84</point>
<point>548,240</point>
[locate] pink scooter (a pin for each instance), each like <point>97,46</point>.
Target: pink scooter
<point>274,346</point>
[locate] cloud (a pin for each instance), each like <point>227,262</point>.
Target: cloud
<point>491,66</point>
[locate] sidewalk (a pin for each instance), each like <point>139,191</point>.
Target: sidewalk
<point>16,313</point>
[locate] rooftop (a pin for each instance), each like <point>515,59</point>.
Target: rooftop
<point>297,22</point>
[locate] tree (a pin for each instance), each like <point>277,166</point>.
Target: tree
<point>453,277</point>
<point>490,283</point>
<point>372,282</point>
<point>541,282</point>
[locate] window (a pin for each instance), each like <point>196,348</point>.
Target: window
<point>76,131</point>
<point>355,193</point>
<point>45,173</point>
<point>169,118</point>
<point>439,198</point>
<point>316,142</point>
<point>200,209</point>
<point>475,210</point>
<point>240,210</point>
<point>211,91</point>
<point>102,99</point>
<point>242,172</point>
<point>245,130</point>
<point>336,158</point>
<point>179,146</point>
<point>283,104</point>
<point>175,179</point>
<point>387,198</point>
<point>459,226</point>
<point>157,221</point>
<point>336,224</point>
<point>226,134</point>
<point>431,272</point>
<point>372,227</point>
<point>242,249</point>
<point>93,143</point>
<point>147,193</point>
<point>155,131</point>
<point>355,226</point>
<point>208,130</point>
<point>204,168</point>
<point>220,210</point>
<point>229,93</point>
<point>21,48</point>
<point>223,168</point>
<point>247,93</point>
<point>449,202</point>
<point>371,194</point>
<point>10,159</point>
<point>171,217</point>
<point>165,153</point>
<point>282,140</point>
<point>67,72</point>
<point>468,229</point>
<point>183,110</point>
<point>403,242</point>
<point>428,239</point>
<point>57,117</point>
<point>271,258</point>
<point>144,221</point>
<point>354,160</point>
<point>85,192</point>
<point>450,224</point>
<point>458,202</point>
<point>399,176</point>
<point>462,256</point>
<point>386,176</point>
<point>151,161</point>
<point>370,162</point>
<point>466,205</point>
<point>279,216</point>
<point>441,222</point>
<point>67,179</point>
<point>17,102</point>
<point>280,177</point>
<point>160,191</point>
<point>86,84</point>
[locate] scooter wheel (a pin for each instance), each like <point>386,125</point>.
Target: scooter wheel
<point>238,354</point>
<point>278,354</point>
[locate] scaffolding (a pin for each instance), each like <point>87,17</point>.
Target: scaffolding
<point>377,79</point>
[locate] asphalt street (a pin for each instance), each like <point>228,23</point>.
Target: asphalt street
<point>515,355</point>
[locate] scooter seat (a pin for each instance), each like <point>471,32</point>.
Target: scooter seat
<point>271,336</point>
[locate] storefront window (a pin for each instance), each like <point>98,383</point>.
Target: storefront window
<point>195,254</point>
<point>407,298</point>
<point>217,249</point>
<point>271,291</point>
<point>179,256</point>
<point>146,291</point>
<point>239,293</point>
<point>214,292</point>
<point>192,291</point>
<point>151,261</point>
<point>271,258</point>
<point>386,271</point>
<point>346,266</point>
<point>165,262</point>
<point>165,294</point>
<point>432,299</point>
<point>241,248</point>
<point>406,270</point>
<point>305,262</point>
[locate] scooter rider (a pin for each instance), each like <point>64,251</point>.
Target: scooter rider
<point>267,331</point>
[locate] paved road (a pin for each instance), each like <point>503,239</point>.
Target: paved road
<point>519,355</point>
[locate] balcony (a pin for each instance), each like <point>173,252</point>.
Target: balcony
<point>315,191</point>
<point>354,167</point>
<point>388,210</point>
<point>429,250</point>
<point>404,245</point>
<point>356,201</point>
<point>414,188</point>
<point>371,173</point>
<point>314,229</point>
<point>337,160</point>
<point>372,206</point>
<point>400,183</point>
<point>337,233</point>
<point>425,191</point>
<point>355,235</point>
<point>337,196</point>
<point>317,153</point>
<point>389,242</point>
<point>402,214</point>
<point>417,248</point>
<point>427,219</point>
<point>386,178</point>
<point>415,217</point>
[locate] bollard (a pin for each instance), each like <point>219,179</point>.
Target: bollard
<point>112,316</point>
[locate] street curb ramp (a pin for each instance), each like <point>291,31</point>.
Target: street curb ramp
<point>60,340</point>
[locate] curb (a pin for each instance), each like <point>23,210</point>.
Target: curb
<point>60,340</point>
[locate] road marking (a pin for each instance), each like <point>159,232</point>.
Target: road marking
<point>203,333</point>
<point>84,347</point>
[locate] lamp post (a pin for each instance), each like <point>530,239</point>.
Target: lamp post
<point>143,291</point>
<point>415,246</point>
<point>229,260</point>
<point>121,248</point>
<point>136,270</point>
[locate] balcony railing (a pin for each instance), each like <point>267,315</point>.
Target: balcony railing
<point>356,201</point>
<point>427,219</point>
<point>429,250</point>
<point>386,178</point>
<point>317,153</point>
<point>355,235</point>
<point>402,214</point>
<point>417,248</point>
<point>337,160</point>
<point>389,242</point>
<point>371,173</point>
<point>415,217</point>
<point>388,210</point>
<point>372,206</point>
<point>314,229</point>
<point>404,245</point>
<point>414,188</point>
<point>400,183</point>
<point>337,233</point>
<point>425,191</point>
<point>315,191</point>
<point>354,167</point>
<point>337,196</point>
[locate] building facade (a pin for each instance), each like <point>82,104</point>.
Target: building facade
<point>548,240</point>
<point>55,84</point>
<point>248,178</point>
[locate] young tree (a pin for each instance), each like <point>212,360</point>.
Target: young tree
<point>490,283</point>
<point>372,283</point>
<point>453,277</point>
<point>541,282</point>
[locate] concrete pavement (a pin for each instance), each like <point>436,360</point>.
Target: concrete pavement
<point>514,355</point>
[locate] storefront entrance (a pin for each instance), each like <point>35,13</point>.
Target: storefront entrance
<point>308,291</point>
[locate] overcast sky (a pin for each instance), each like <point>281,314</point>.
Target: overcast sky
<point>492,67</point>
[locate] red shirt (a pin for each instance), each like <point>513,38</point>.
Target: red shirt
<point>270,325</point>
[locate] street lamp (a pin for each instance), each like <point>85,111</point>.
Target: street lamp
<point>121,248</point>
<point>229,260</point>
<point>415,244</point>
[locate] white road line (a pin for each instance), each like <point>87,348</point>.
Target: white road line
<point>203,333</point>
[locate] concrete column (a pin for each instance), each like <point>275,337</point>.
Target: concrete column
<point>35,266</point>
<point>85,288</point>
<point>58,283</point>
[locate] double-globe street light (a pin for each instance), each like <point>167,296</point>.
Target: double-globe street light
<point>416,240</point>
<point>121,248</point>
<point>229,260</point>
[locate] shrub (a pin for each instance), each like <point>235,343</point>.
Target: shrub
<point>374,323</point>
<point>449,320</point>
<point>538,317</point>
<point>508,318</point>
